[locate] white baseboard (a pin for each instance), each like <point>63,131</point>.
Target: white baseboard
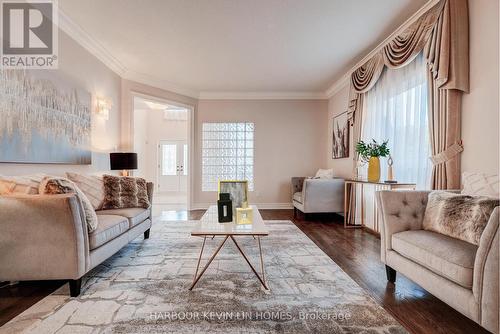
<point>265,206</point>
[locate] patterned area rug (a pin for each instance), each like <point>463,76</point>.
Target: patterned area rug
<point>144,289</point>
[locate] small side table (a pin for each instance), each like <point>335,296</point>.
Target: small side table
<point>350,200</point>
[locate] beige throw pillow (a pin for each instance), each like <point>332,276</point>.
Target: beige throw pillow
<point>20,185</point>
<point>481,184</point>
<point>125,192</point>
<point>60,185</point>
<point>458,216</point>
<point>91,185</point>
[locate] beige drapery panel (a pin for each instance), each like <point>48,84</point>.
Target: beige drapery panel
<point>442,34</point>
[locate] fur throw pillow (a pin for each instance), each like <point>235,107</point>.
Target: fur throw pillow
<point>59,185</point>
<point>458,216</point>
<point>125,192</point>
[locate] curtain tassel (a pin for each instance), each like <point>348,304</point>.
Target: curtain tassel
<point>447,154</point>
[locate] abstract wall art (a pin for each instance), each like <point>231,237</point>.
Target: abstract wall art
<point>43,119</point>
<point>238,191</point>
<point>340,135</point>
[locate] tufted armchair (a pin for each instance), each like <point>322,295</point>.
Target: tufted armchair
<point>463,275</point>
<point>317,195</point>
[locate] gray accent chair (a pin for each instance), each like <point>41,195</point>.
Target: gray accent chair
<point>317,195</point>
<point>463,275</point>
<point>44,237</point>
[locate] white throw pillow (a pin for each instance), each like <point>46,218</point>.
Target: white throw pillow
<point>20,185</point>
<point>324,174</point>
<point>481,184</point>
<point>91,185</point>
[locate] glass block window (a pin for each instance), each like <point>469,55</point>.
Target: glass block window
<point>227,153</point>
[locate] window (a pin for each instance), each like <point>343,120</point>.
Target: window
<point>169,156</point>
<point>396,110</point>
<point>227,153</point>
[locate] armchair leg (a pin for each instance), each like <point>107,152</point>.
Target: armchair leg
<point>146,233</point>
<point>75,286</point>
<point>294,212</point>
<point>391,274</point>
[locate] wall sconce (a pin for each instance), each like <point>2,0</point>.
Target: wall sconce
<point>103,107</point>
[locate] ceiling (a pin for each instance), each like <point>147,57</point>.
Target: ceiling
<point>236,46</point>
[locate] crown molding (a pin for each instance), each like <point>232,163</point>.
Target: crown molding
<point>262,96</point>
<point>339,83</point>
<point>159,83</point>
<point>93,46</point>
<point>77,33</point>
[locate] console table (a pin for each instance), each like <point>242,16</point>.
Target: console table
<point>350,200</point>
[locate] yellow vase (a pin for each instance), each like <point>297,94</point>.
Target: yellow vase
<point>374,169</point>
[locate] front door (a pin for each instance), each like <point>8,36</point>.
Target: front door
<point>172,166</point>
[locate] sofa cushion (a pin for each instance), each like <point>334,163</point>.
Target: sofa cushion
<point>109,227</point>
<point>91,185</point>
<point>298,197</point>
<point>134,215</point>
<point>20,185</point>
<point>446,256</point>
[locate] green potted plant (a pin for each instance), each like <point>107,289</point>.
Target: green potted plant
<point>372,152</point>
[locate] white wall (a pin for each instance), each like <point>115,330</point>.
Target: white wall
<point>141,141</point>
<point>290,140</point>
<point>87,72</point>
<point>480,108</point>
<point>129,89</point>
<point>149,128</point>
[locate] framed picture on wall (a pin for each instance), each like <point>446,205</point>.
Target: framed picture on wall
<point>340,136</point>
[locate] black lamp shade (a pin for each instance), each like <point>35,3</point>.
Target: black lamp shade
<point>123,161</point>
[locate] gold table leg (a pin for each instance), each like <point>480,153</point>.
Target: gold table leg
<point>261,261</point>
<point>199,258</point>
<point>251,266</point>
<point>208,263</point>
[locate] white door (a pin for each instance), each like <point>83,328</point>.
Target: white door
<point>172,166</point>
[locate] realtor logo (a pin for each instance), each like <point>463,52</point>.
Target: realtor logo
<point>29,34</point>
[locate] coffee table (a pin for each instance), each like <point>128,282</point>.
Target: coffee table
<point>209,227</point>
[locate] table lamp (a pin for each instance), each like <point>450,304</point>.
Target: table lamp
<point>124,161</point>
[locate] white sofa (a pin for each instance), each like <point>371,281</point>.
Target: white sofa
<point>317,195</point>
<point>44,237</point>
<point>463,275</point>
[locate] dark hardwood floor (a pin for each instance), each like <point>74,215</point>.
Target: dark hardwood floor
<point>356,251</point>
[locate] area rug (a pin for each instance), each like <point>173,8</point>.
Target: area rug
<point>144,289</point>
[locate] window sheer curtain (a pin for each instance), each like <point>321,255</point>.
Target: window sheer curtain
<point>395,109</point>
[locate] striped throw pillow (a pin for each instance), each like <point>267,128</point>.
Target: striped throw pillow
<point>91,185</point>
